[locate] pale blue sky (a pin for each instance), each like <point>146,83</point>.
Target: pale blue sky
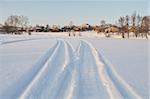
<point>60,12</point>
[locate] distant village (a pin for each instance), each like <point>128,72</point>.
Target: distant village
<point>138,25</point>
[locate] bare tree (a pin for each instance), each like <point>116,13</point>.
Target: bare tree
<point>145,25</point>
<point>14,22</point>
<point>10,24</point>
<point>121,21</point>
<point>138,22</point>
<point>127,20</point>
<point>103,23</point>
<point>133,19</point>
<point>23,21</point>
<point>71,28</point>
<point>127,24</point>
<point>139,19</point>
<point>122,28</point>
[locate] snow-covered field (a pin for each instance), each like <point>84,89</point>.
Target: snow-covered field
<point>55,66</point>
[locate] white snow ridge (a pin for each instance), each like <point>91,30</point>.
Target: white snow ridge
<point>65,73</point>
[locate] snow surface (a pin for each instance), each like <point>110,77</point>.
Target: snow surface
<point>55,66</point>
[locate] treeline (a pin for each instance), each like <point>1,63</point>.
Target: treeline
<point>138,26</point>
<point>15,24</point>
<point>135,24</point>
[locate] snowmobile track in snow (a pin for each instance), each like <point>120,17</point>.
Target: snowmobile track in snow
<point>20,40</point>
<point>63,73</point>
<point>116,87</point>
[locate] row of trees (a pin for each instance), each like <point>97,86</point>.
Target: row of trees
<point>135,23</point>
<point>15,24</point>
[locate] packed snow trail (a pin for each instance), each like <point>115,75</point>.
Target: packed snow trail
<point>63,73</point>
<point>41,86</point>
<point>124,89</point>
<point>88,84</point>
<point>116,87</point>
<point>64,87</point>
<point>17,88</point>
<point>55,80</point>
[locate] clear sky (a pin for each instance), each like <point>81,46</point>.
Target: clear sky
<point>60,12</point>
